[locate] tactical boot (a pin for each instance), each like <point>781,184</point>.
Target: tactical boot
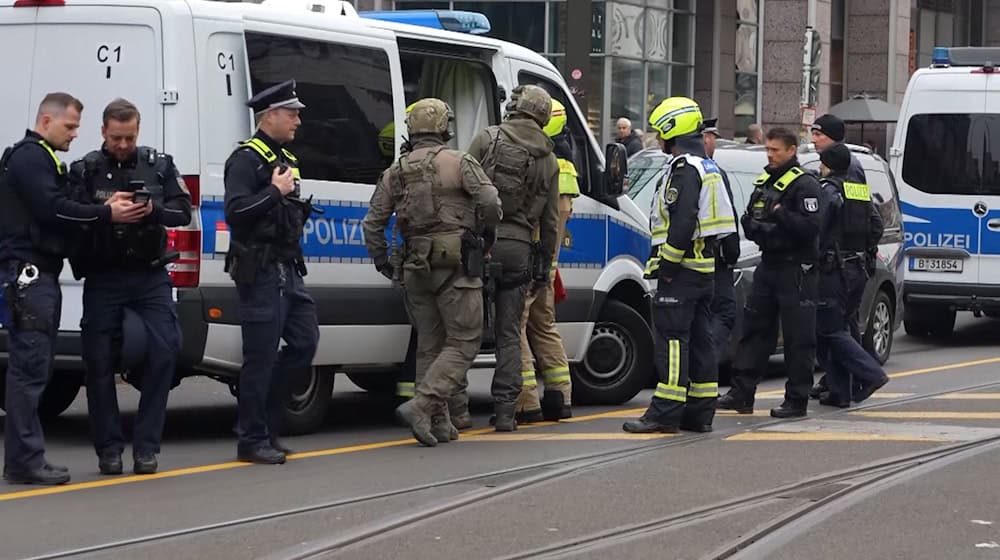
<point>44,475</point>
<point>554,406</point>
<point>419,421</point>
<point>789,409</point>
<point>505,421</point>
<point>461,421</point>
<point>144,462</point>
<point>646,426</point>
<point>867,389</point>
<point>110,462</point>
<point>442,428</point>
<point>828,399</point>
<point>729,401</point>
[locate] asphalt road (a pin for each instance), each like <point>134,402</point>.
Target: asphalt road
<point>909,474</point>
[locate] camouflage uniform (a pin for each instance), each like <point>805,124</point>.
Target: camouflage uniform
<point>443,201</point>
<point>518,158</point>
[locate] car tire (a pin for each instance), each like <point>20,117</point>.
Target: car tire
<point>878,332</point>
<point>376,383</point>
<point>311,389</point>
<point>60,392</point>
<point>619,359</point>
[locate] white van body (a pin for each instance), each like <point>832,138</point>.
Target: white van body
<point>190,65</point>
<point>946,158</point>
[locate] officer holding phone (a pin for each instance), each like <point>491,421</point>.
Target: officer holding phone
<point>125,271</point>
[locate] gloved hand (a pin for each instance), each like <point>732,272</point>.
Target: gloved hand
<point>668,270</point>
<point>871,259</point>
<point>386,270</point>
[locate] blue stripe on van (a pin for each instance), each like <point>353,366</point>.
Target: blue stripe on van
<point>337,236</point>
<point>956,228</point>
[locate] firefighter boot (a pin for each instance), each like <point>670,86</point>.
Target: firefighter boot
<point>415,415</point>
<point>554,406</point>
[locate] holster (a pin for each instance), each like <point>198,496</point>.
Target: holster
<point>22,315</point>
<point>472,255</point>
<point>830,261</point>
<point>242,263</point>
<point>539,272</point>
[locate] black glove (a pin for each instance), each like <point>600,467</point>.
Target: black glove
<point>385,269</point>
<point>871,259</point>
<point>668,270</point>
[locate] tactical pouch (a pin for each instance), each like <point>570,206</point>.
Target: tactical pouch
<point>446,251</point>
<point>242,263</point>
<point>539,272</point>
<point>418,252</point>
<point>472,255</point>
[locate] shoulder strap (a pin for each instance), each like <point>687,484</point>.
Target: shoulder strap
<point>291,157</point>
<point>259,147</point>
<point>788,178</point>
<point>761,179</point>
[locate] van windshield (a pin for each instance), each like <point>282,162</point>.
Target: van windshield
<point>953,153</point>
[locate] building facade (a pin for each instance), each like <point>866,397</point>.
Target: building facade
<point>742,60</point>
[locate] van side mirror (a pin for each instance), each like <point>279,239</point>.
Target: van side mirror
<point>615,169</point>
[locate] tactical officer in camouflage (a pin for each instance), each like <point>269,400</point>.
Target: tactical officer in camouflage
<point>446,212</point>
<point>517,156</point>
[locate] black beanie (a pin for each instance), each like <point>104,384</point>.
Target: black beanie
<point>831,126</point>
<point>837,158</point>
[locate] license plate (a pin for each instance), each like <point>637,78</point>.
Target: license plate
<point>935,265</point>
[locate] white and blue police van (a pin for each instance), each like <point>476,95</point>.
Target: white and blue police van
<point>190,65</point>
<point>946,158</point>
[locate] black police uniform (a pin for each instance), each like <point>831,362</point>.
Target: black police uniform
<point>124,268</point>
<point>36,220</point>
<point>783,219</point>
<point>847,234</point>
<point>723,306</point>
<point>266,263</point>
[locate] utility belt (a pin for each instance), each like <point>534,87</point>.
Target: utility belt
<point>244,261</point>
<point>23,312</point>
<point>446,251</point>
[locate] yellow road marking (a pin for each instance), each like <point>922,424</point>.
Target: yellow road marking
<point>724,412</point>
<point>826,436</point>
<point>930,415</point>
<point>627,413</point>
<point>907,373</point>
<point>563,437</point>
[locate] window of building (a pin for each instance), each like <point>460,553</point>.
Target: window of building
<point>838,12</point>
<point>745,109</point>
<point>347,91</point>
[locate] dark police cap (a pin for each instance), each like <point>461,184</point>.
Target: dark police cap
<point>837,158</point>
<point>711,126</point>
<point>281,96</point>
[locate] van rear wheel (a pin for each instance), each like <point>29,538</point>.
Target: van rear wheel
<point>619,359</point>
<point>311,392</point>
<point>60,392</point>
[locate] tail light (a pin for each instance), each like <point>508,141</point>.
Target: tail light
<point>186,271</point>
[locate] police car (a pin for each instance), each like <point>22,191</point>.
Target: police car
<point>189,65</point>
<point>879,316</point>
<point>946,154</point>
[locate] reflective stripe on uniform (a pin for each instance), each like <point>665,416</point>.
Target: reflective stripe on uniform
<point>672,254</point>
<point>556,375</point>
<point>52,154</point>
<point>703,390</point>
<point>857,191</point>
<point>406,389</point>
<point>528,378</point>
<point>673,362</point>
<point>791,175</point>
<point>670,392</point>
<point>258,145</point>
<point>568,184</point>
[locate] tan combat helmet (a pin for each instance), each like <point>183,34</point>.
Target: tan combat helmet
<point>532,101</point>
<point>429,116</point>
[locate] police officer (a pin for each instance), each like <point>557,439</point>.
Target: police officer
<point>828,131</point>
<point>724,299</point>
<point>517,156</point>
<point>125,269</point>
<point>541,343</point>
<point>36,220</point>
<point>783,219</point>
<point>848,232</point>
<point>446,211</point>
<point>690,211</point>
<point>265,216</point>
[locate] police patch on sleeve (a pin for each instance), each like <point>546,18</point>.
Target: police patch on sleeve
<point>671,195</point>
<point>811,204</point>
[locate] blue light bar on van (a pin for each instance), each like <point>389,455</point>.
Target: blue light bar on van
<point>449,20</point>
<point>940,57</point>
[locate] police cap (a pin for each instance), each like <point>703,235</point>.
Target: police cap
<point>281,96</point>
<point>711,127</point>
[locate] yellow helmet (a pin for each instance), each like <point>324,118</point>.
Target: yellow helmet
<point>557,122</point>
<point>676,116</point>
<point>387,136</point>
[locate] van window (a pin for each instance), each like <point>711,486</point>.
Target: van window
<point>347,91</point>
<point>579,138</point>
<point>953,153</point>
<point>466,85</point>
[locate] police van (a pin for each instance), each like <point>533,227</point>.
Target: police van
<point>946,157</point>
<point>189,65</point>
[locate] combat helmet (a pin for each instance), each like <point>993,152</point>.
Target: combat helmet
<point>531,101</point>
<point>430,116</point>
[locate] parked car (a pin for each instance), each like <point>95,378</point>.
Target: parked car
<point>881,306</point>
